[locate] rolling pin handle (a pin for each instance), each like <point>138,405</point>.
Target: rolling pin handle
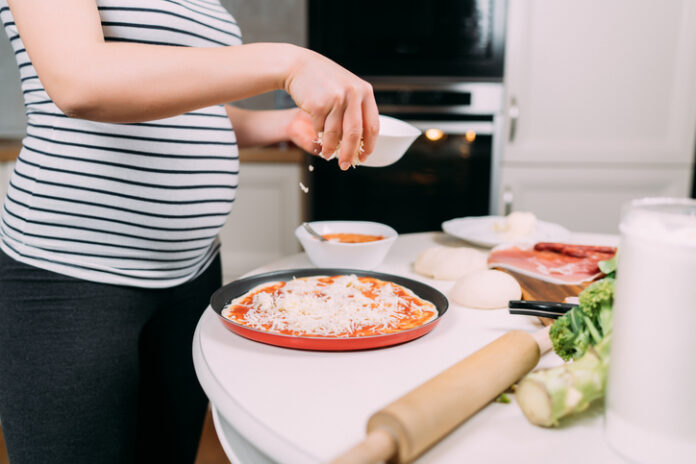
<point>543,340</point>
<point>378,446</point>
<point>404,429</point>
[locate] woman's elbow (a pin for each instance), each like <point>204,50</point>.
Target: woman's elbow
<point>75,94</point>
<point>94,103</point>
<point>75,101</point>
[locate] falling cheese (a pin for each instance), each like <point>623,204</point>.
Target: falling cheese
<point>338,306</point>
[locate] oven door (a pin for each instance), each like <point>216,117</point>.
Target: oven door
<point>445,174</point>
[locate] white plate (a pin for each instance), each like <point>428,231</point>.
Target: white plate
<point>480,230</point>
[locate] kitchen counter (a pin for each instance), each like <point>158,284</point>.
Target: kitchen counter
<point>281,405</point>
<point>9,150</point>
<point>272,155</point>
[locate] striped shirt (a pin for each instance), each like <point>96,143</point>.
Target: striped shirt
<point>131,204</point>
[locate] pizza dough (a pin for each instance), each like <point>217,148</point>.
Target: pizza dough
<point>449,263</point>
<point>486,289</point>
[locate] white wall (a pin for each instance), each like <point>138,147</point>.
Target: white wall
<point>11,105</point>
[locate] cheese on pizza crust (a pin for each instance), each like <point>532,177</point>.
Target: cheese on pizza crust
<point>331,306</point>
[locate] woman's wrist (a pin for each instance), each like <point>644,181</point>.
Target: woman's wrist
<point>286,58</point>
<point>297,59</point>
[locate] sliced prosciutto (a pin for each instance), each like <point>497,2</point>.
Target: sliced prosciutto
<point>556,262</point>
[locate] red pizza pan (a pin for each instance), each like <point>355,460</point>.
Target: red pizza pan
<point>239,287</point>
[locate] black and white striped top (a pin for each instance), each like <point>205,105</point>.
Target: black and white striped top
<point>131,204</point>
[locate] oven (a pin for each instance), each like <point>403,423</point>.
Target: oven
<point>439,66</point>
<point>450,171</point>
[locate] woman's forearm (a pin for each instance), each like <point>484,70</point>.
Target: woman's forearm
<point>119,82</point>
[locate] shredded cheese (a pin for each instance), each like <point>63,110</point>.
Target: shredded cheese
<point>330,306</point>
<point>356,157</point>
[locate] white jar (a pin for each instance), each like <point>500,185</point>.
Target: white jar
<point>651,390</point>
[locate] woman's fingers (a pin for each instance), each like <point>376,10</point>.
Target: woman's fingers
<point>370,118</point>
<point>332,132</point>
<point>352,134</point>
<point>305,138</point>
<point>352,127</point>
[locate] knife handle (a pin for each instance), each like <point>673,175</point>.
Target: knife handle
<point>552,306</point>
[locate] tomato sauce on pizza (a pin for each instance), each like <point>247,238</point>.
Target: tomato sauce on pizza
<point>331,306</point>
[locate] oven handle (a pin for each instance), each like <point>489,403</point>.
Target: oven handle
<point>456,127</point>
<point>508,200</point>
<point>513,114</point>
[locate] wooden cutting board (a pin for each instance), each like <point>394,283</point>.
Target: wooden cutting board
<point>541,290</point>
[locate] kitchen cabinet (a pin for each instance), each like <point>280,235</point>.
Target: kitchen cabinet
<point>599,85</point>
<point>588,199</point>
<point>266,211</point>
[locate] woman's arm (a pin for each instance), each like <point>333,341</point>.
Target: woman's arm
<point>123,82</point>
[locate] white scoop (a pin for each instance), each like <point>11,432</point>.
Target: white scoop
<point>395,136</point>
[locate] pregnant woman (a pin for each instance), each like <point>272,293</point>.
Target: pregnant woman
<point>109,229</point>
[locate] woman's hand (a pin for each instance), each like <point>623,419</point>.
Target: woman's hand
<point>261,128</point>
<point>300,131</point>
<point>340,105</point>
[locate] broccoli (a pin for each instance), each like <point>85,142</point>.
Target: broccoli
<point>597,302</point>
<point>586,324</point>
<point>583,335</point>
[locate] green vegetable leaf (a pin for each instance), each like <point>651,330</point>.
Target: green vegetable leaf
<point>503,398</point>
<point>608,267</point>
<point>563,337</point>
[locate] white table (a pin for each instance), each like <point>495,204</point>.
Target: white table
<point>275,404</point>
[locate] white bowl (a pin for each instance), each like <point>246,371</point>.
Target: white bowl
<point>365,256</point>
<point>395,136</point>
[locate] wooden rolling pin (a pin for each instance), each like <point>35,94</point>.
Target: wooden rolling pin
<point>410,425</point>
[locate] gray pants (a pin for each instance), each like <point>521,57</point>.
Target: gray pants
<point>95,373</point>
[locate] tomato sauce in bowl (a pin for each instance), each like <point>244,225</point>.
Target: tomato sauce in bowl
<point>348,244</point>
<point>352,238</point>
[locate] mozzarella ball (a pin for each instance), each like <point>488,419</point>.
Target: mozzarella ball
<point>521,223</point>
<point>486,289</point>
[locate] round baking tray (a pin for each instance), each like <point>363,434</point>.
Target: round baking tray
<point>239,287</point>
